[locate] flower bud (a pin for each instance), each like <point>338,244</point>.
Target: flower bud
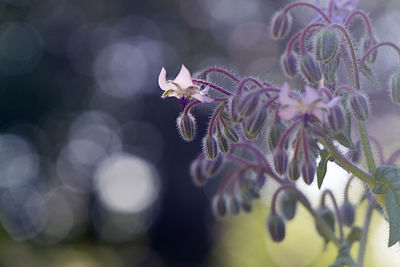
<point>308,171</point>
<point>326,45</point>
<point>281,24</point>
<point>355,154</point>
<point>276,227</point>
<point>187,126</point>
<point>234,103</point>
<point>275,134</point>
<point>234,206</point>
<point>348,214</point>
<point>210,147</point>
<point>254,124</point>
<point>222,143</point>
<point>197,173</point>
<point>328,217</point>
<point>288,204</point>
<point>294,170</point>
<point>220,206</point>
<point>330,71</point>
<point>358,106</point>
<point>231,134</point>
<point>289,65</point>
<point>394,85</point>
<point>212,167</point>
<point>280,161</point>
<point>336,119</point>
<point>368,42</point>
<point>246,205</point>
<point>310,69</point>
<point>248,104</point>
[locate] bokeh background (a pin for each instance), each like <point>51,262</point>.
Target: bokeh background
<point>92,170</point>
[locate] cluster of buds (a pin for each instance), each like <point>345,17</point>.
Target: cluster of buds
<point>302,126</point>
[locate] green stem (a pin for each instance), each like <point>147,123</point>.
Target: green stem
<point>363,240</point>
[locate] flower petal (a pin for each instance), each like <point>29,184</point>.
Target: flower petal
<point>334,101</point>
<point>202,98</point>
<point>288,112</point>
<point>284,97</point>
<point>310,95</point>
<point>184,78</point>
<point>162,80</point>
<point>319,114</point>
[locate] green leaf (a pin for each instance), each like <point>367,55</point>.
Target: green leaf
<point>390,178</point>
<point>344,138</point>
<point>322,166</point>
<point>367,72</point>
<point>379,189</point>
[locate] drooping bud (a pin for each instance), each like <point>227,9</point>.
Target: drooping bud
<point>197,173</point>
<point>330,70</point>
<point>294,170</point>
<point>348,214</point>
<point>289,65</point>
<point>368,42</point>
<point>210,147</point>
<point>222,143</point>
<point>288,204</point>
<point>308,171</point>
<point>336,119</point>
<point>234,206</point>
<point>275,134</point>
<point>187,126</point>
<point>248,104</point>
<point>231,134</point>
<point>355,154</point>
<point>280,161</point>
<point>358,105</point>
<point>328,217</point>
<point>212,167</point>
<point>310,69</point>
<point>276,227</point>
<point>281,25</point>
<point>394,85</point>
<point>220,206</point>
<point>246,205</point>
<point>326,45</point>
<point>233,108</point>
<point>254,124</point>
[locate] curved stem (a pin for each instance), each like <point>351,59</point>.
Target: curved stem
<point>211,85</point>
<point>364,236</point>
<point>304,33</point>
<point>286,133</point>
<point>222,71</point>
<point>213,117</point>
<point>363,16</point>
<point>347,188</point>
<point>292,41</point>
<point>304,4</point>
<point>372,49</point>
<point>335,206</point>
<point>244,81</point>
<point>366,146</point>
<point>392,159</point>
<point>379,148</point>
<point>189,106</point>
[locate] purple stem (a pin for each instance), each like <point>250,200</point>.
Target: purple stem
<point>212,86</point>
<point>286,134</point>
<point>363,16</point>
<point>372,49</point>
<point>304,33</point>
<point>335,206</point>
<point>226,73</point>
<point>243,83</point>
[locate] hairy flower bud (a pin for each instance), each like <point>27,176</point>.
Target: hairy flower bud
<point>275,134</point>
<point>212,167</point>
<point>355,154</point>
<point>328,217</point>
<point>246,205</point>
<point>394,85</point>
<point>248,104</point>
<point>288,204</point>
<point>254,124</point>
<point>281,25</point>
<point>231,134</point>
<point>310,69</point>
<point>336,119</point>
<point>294,170</point>
<point>234,206</point>
<point>326,45</point>
<point>222,143</point>
<point>358,105</point>
<point>308,171</point>
<point>280,161</point>
<point>276,227</point>
<point>220,206</point>
<point>197,173</point>
<point>330,70</point>
<point>348,214</point>
<point>289,65</point>
<point>233,108</point>
<point>187,126</point>
<point>210,147</point>
<point>368,42</point>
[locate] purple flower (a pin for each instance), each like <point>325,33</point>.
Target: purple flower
<point>340,9</point>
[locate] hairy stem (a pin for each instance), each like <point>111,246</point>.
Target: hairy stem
<point>364,236</point>
<point>372,49</point>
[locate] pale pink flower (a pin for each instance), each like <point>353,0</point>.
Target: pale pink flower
<point>182,86</point>
<point>310,103</point>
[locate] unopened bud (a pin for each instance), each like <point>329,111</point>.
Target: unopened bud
<point>233,108</point>
<point>368,42</point>
<point>246,205</point>
<point>288,204</point>
<point>348,214</point>
<point>254,124</point>
<point>197,173</point>
<point>310,69</point>
<point>326,45</point>
<point>210,147</point>
<point>281,25</point>
<point>294,170</point>
<point>187,126</point>
<point>308,171</point>
<point>275,134</point>
<point>212,167</point>
<point>355,154</point>
<point>248,104</point>
<point>328,217</point>
<point>336,119</point>
<point>289,65</point>
<point>220,206</point>
<point>276,227</point>
<point>231,134</point>
<point>222,143</point>
<point>280,161</point>
<point>394,85</point>
<point>330,71</point>
<point>358,105</point>
<point>234,206</point>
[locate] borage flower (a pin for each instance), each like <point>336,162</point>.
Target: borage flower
<point>182,87</point>
<point>339,9</point>
<point>310,104</point>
